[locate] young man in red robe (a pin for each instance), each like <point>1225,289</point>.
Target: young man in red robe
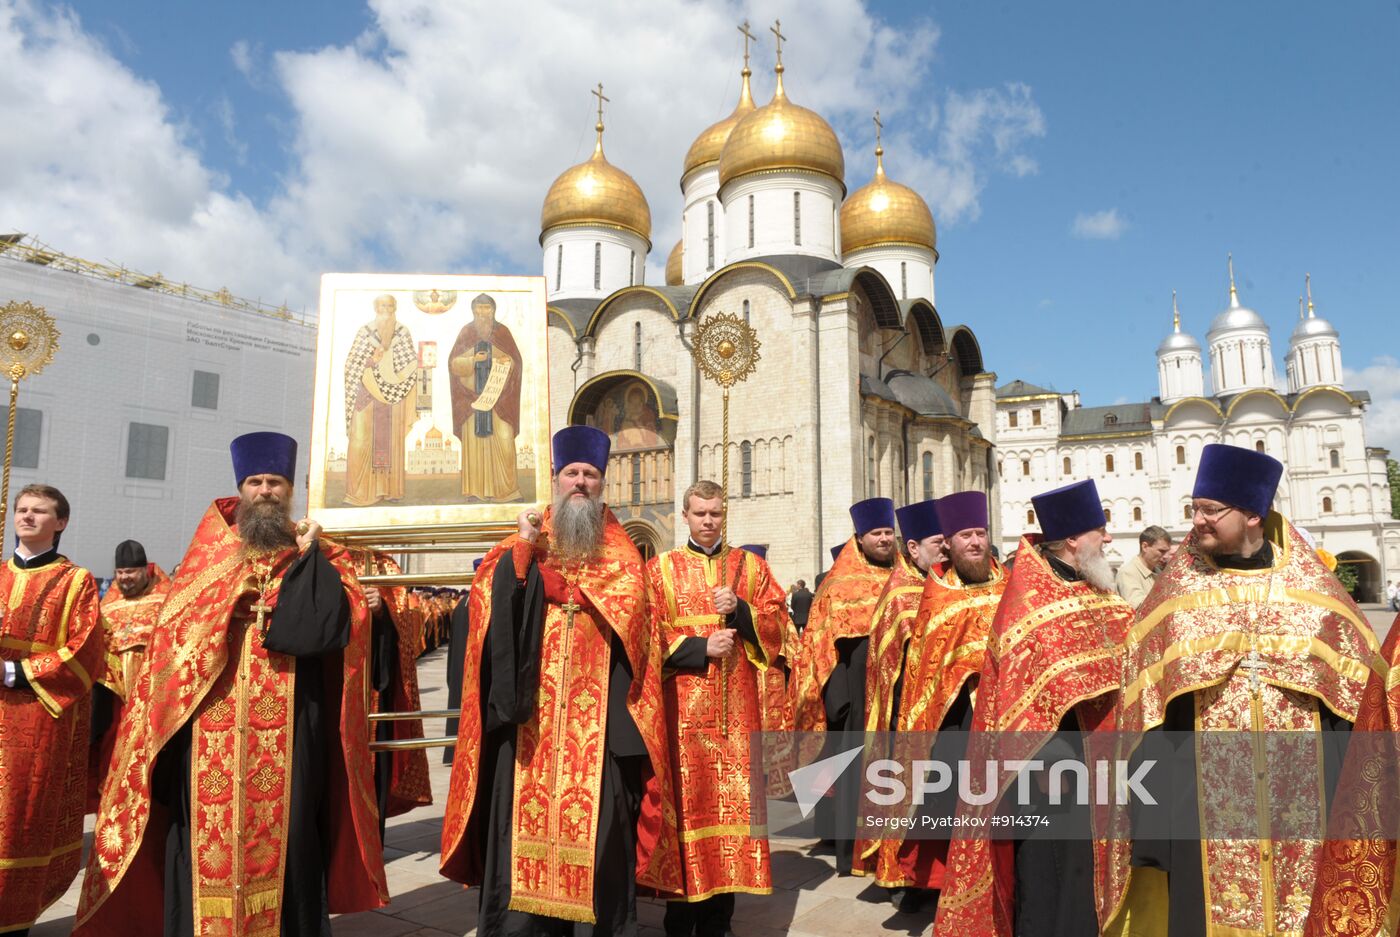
<point>721,620</point>
<point>561,805</point>
<point>241,796</point>
<point>51,648</point>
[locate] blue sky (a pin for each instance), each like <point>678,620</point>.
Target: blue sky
<point>1176,132</point>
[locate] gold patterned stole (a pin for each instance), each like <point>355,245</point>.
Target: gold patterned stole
<point>559,770</point>
<point>241,786</point>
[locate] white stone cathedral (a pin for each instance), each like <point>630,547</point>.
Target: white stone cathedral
<point>862,390</point>
<point>1143,455</point>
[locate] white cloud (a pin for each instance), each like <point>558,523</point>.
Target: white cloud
<point>1382,378</point>
<point>429,141</point>
<point>1104,225</point>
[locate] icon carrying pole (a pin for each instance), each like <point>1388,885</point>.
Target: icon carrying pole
<point>726,351</point>
<point>28,340</point>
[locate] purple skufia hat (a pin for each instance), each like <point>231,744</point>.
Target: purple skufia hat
<point>1070,510</point>
<point>919,520</point>
<point>264,453</point>
<point>836,551</point>
<point>586,444</point>
<point>476,563</point>
<point>872,514</point>
<point>1241,478</point>
<point>756,549</point>
<point>964,510</point>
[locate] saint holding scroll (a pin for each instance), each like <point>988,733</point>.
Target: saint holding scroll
<point>485,366</point>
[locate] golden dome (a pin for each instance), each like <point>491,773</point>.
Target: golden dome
<point>885,212</point>
<point>673,266</point>
<point>782,135</point>
<point>596,192</point>
<point>708,146</point>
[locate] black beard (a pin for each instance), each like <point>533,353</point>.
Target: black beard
<point>973,571</point>
<point>264,525</point>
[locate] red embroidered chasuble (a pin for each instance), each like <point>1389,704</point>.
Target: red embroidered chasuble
<point>50,630</point>
<point>712,713</point>
<point>561,747</point>
<point>409,785</point>
<point>937,645</point>
<point>1054,646</point>
<point>1259,650</point>
<point>206,667</point>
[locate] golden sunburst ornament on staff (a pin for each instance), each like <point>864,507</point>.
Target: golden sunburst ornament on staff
<point>726,351</point>
<point>28,339</point>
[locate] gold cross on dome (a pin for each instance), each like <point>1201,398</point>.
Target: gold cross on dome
<point>601,99</point>
<point>878,127</point>
<point>748,37</point>
<point>777,30</point>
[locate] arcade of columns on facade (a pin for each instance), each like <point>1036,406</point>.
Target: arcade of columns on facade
<point>862,389</point>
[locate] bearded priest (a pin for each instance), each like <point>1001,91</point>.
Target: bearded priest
<point>51,649</point>
<point>1250,652</point>
<point>828,680</point>
<point>1052,665</point>
<point>241,795</point>
<point>721,620</point>
<point>560,804</point>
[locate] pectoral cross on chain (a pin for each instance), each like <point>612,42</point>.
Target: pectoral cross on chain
<point>1254,664</point>
<point>262,609</point>
<point>571,607</point>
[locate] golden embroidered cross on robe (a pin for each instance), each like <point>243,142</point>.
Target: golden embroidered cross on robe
<point>1053,661</point>
<point>50,630</point>
<point>1217,651</point>
<point>221,751</point>
<point>712,709</point>
<point>1358,890</point>
<point>561,784</point>
<point>396,638</point>
<point>923,659</point>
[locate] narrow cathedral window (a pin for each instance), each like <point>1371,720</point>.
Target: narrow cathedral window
<point>1259,445</point>
<point>870,466</point>
<point>1186,512</point>
<point>632,270</point>
<point>750,221</point>
<point>1326,505</point>
<point>1137,460</point>
<point>1180,455</point>
<point>1067,469</point>
<point>1336,458</point>
<point>903,280</point>
<point>797,218</point>
<point>1030,515</point>
<point>1035,417</point>
<point>597,265</point>
<point>558,266</point>
<point>1108,514</point>
<point>636,479</point>
<point>1026,467</point>
<point>928,475</point>
<point>1137,514</point>
<point>1012,417</point>
<point>1108,463</point>
<point>746,469</point>
<point>710,233</point>
<point>636,346</point>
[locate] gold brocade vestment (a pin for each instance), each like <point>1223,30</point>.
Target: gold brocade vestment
<point>1258,651</point>
<point>50,631</point>
<point>711,714</point>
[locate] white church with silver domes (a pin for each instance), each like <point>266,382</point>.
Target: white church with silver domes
<point>862,388</point>
<point>1143,456</point>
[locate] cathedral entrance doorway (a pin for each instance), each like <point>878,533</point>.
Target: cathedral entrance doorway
<point>1368,575</point>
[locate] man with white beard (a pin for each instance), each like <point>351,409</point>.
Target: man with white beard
<point>561,802</point>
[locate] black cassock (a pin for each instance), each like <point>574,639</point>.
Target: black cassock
<point>383,672</point>
<point>456,654</point>
<point>311,622</point>
<point>510,669</point>
<point>843,698</point>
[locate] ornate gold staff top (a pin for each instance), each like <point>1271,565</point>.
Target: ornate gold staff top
<point>28,339</point>
<point>726,351</point>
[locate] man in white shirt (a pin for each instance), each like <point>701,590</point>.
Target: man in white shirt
<point>1135,577</point>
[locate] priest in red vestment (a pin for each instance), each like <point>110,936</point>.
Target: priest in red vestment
<point>396,639</point>
<point>129,611</point>
<point>51,648</point>
<point>241,795</point>
<point>828,681</point>
<point>1052,665</point>
<point>720,619</point>
<point>561,805</point>
<point>923,675</point>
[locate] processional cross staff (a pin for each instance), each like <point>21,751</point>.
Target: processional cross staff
<point>28,340</point>
<point>726,352</point>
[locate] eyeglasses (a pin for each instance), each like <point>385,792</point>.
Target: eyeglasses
<point>1211,514</point>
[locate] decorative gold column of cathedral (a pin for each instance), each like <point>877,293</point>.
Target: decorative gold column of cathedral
<point>29,340</point>
<point>726,351</point>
